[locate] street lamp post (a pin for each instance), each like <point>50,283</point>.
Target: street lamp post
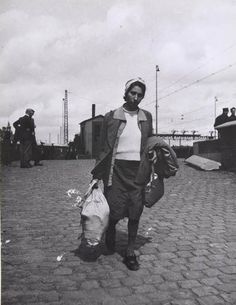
<point>216,100</point>
<point>157,70</point>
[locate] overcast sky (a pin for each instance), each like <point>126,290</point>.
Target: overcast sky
<point>92,47</point>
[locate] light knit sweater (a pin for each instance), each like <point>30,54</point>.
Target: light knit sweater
<point>130,139</point>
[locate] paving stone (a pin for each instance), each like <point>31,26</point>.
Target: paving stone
<point>167,286</point>
<point>172,276</point>
<point>142,272</point>
<point>153,279</point>
<point>111,283</point>
<point>198,266</point>
<point>120,291</point>
<point>184,247</point>
<point>201,252</point>
<point>49,297</point>
<point>80,296</point>
<point>212,281</point>
<point>211,300</point>
<point>227,278</point>
<point>189,284</point>
<point>142,289</point>
<point>179,260</point>
<point>184,242</point>
<point>184,302</point>
<point>118,274</point>
<point>89,284</point>
<point>204,290</point>
<point>181,294</point>
<point>99,295</point>
<point>132,281</point>
<point>212,272</point>
<point>146,251</point>
<point>230,287</point>
<point>229,297</point>
<point>112,301</point>
<point>135,299</point>
<point>216,264</point>
<point>160,297</point>
<point>166,255</point>
<point>157,269</point>
<point>187,254</point>
<point>229,270</point>
<point>178,268</point>
<point>198,259</point>
<point>150,257</point>
<point>63,271</point>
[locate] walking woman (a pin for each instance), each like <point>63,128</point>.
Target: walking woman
<point>124,135</point>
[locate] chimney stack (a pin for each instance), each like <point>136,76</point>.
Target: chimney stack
<point>93,110</point>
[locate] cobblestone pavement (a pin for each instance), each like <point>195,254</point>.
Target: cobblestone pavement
<point>186,244</point>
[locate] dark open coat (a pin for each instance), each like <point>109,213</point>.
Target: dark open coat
<point>113,124</point>
<point>24,129</point>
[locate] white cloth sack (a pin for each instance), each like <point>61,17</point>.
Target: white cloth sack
<point>94,215</point>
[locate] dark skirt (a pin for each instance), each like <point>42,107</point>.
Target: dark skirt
<point>125,198</point>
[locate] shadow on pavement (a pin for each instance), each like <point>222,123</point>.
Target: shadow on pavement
<point>91,253</point>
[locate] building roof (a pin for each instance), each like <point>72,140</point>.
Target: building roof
<point>91,119</point>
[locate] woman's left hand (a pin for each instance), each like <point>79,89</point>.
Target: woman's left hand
<point>152,156</point>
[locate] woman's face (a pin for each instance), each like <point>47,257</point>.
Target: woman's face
<point>134,97</point>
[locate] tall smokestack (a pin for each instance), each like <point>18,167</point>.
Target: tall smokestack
<point>93,110</point>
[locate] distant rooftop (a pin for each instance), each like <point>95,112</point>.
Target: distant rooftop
<point>95,117</point>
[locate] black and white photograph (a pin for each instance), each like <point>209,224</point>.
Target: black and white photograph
<point>118,152</point>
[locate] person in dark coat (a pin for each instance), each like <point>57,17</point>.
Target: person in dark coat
<point>7,150</point>
<point>123,138</point>
<point>232,117</point>
<point>25,135</point>
<point>223,118</point>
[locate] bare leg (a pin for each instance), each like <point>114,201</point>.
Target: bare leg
<point>111,235</point>
<point>130,259</point>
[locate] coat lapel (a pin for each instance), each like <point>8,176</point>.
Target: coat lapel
<point>119,117</point>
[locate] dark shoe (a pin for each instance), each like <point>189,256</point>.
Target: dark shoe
<point>38,164</point>
<point>131,262</point>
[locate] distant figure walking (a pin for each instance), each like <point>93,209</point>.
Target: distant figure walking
<point>124,136</point>
<point>232,117</point>
<point>223,118</point>
<point>26,136</point>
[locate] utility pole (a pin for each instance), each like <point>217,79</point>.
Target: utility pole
<point>157,70</point>
<point>65,125</point>
<point>60,142</point>
<point>216,100</point>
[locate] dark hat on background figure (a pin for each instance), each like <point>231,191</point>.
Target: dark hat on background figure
<point>29,111</point>
<point>225,109</point>
<point>232,108</point>
<point>135,81</point>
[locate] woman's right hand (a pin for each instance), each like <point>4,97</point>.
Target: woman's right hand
<point>94,183</point>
